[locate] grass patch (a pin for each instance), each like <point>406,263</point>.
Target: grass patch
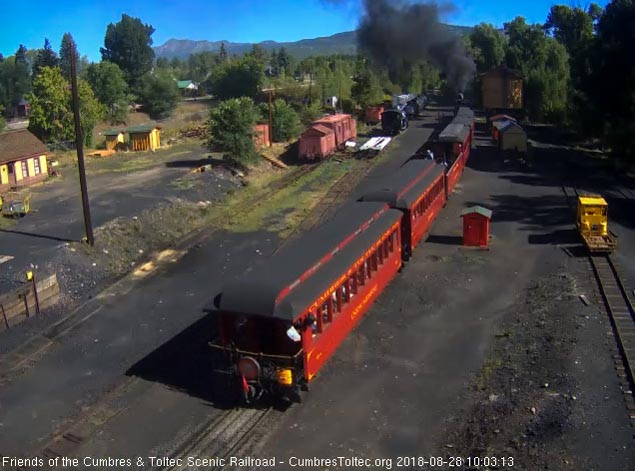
<point>7,223</point>
<point>285,209</point>
<point>183,184</point>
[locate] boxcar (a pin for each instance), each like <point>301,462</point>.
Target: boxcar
<point>280,322</point>
<point>416,189</point>
<point>316,143</point>
<point>343,125</point>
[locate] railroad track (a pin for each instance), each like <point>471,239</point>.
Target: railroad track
<point>234,433</point>
<point>620,311</point>
<point>336,195</point>
<point>622,316</point>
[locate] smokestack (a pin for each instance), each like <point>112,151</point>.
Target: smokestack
<point>395,34</point>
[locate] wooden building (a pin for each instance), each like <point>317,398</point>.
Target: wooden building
<point>115,139</point>
<point>146,137</point>
<point>502,89</point>
<point>512,137</point>
<point>22,159</point>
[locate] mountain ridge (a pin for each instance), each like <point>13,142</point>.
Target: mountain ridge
<point>339,43</point>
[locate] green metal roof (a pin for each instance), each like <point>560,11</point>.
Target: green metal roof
<point>183,83</point>
<point>141,128</point>
<point>113,132</point>
<point>477,209</point>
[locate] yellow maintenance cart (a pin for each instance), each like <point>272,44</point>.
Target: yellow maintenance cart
<point>15,207</point>
<point>592,222</point>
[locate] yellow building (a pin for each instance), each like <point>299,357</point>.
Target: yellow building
<point>22,159</point>
<point>502,89</point>
<point>114,139</point>
<point>147,137</point>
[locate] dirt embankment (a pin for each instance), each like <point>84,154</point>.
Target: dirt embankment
<point>545,394</point>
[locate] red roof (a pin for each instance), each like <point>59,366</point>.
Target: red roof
<point>502,117</point>
<point>332,118</point>
<point>319,128</point>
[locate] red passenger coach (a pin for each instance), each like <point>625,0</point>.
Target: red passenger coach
<point>280,322</point>
<point>417,189</point>
<point>454,144</point>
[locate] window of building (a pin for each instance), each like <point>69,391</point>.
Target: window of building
<point>36,165</point>
<point>25,169</point>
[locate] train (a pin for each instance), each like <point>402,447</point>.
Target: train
<point>281,321</point>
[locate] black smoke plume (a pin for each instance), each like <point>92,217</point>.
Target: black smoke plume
<point>394,34</point>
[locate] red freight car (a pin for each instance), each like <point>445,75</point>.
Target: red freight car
<point>343,125</point>
<point>317,142</point>
<point>281,322</point>
<point>417,189</point>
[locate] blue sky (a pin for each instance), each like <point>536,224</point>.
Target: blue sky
<point>29,21</point>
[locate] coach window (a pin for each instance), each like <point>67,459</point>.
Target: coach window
<point>373,261</point>
<point>327,312</point>
<point>368,264</point>
<point>361,271</point>
<point>337,304</point>
<point>386,249</point>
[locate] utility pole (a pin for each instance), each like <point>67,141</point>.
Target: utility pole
<point>79,143</point>
<point>270,116</point>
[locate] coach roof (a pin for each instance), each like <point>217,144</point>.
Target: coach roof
<point>454,132</point>
<point>286,284</point>
<point>406,185</point>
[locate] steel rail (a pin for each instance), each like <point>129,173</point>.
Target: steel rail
<point>619,308</point>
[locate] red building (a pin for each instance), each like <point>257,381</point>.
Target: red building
<point>476,226</point>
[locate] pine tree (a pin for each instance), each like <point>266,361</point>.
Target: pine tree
<point>20,55</point>
<point>223,53</point>
<point>66,52</point>
<point>46,57</point>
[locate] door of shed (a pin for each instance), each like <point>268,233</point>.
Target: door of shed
<point>476,226</point>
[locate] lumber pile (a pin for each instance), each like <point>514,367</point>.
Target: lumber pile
<point>197,131</point>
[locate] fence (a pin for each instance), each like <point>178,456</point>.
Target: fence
<point>25,301</point>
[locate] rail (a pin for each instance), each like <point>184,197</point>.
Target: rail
<point>619,308</point>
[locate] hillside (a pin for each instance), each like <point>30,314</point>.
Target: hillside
<point>340,43</point>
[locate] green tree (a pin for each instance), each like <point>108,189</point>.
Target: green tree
<point>46,57</point>
<point>613,79</point>
<point>159,94</point>
<point>366,90</point>
<point>200,66</point>
<point>243,77</point>
<point>52,118</point>
<point>258,53</point>
<point>3,123</point>
<point>111,89</point>
<point>283,61</point>
<point>129,45</point>
<point>222,54</point>
<point>20,55</point>
<point>487,47</point>
<point>66,53</point>
<point>231,128</point>
<point>285,123</point>
<point>91,111</point>
<point>50,106</point>
<point>545,64</point>
<point>15,83</point>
